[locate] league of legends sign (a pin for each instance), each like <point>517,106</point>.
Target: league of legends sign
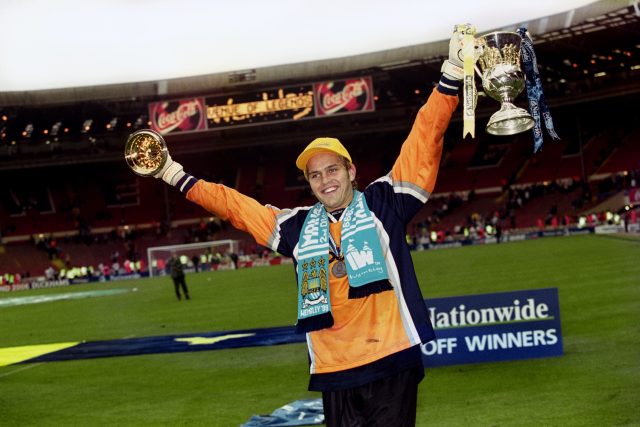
<point>307,101</point>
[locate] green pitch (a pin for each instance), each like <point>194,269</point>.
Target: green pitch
<point>595,383</point>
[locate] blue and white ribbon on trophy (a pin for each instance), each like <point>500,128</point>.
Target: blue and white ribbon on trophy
<point>537,101</point>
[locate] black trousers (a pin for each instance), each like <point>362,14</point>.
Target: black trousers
<point>179,282</point>
<point>388,402</point>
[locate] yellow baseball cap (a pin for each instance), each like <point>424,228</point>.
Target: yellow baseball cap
<point>319,145</point>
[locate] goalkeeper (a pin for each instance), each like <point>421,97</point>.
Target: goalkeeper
<point>358,296</point>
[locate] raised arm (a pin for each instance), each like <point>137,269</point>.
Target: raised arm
<point>419,159</point>
<point>243,212</point>
<point>147,154</point>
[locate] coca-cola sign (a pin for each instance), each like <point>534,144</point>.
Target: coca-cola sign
<point>183,115</point>
<point>344,96</point>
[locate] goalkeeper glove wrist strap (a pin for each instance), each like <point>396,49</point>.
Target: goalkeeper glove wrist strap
<point>449,86</point>
<point>185,183</point>
<point>176,176</point>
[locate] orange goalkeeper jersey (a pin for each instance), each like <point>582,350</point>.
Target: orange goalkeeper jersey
<point>374,330</point>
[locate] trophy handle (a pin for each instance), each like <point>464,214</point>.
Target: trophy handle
<point>146,152</point>
<point>478,49</point>
<point>475,67</point>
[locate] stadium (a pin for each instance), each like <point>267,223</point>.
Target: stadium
<point>92,332</point>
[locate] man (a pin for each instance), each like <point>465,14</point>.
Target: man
<point>195,259</point>
<point>358,297</point>
<point>177,274</point>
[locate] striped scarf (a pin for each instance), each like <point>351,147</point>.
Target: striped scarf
<point>364,261</point>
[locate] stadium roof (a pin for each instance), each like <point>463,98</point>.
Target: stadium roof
<point>70,51</point>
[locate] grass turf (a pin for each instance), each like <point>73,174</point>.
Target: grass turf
<point>594,383</point>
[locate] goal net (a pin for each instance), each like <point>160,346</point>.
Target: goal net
<point>201,256</point>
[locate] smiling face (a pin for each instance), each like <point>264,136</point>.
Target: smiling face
<point>330,180</point>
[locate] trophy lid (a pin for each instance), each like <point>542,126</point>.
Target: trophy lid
<point>500,38</point>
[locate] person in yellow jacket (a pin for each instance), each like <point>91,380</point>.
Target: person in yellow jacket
<point>359,302</point>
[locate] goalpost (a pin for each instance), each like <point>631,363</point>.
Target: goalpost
<point>195,256</point>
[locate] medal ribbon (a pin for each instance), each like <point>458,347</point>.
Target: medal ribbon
<point>335,250</point>
<point>468,110</point>
<point>335,255</point>
<point>537,101</point>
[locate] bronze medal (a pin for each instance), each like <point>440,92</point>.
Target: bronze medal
<point>339,269</point>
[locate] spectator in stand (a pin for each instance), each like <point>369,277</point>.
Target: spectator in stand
<point>204,261</point>
<point>177,275</point>
<point>234,259</point>
<point>50,273</point>
<point>161,265</point>
<point>106,272</point>
<point>53,248</point>
<point>498,226</point>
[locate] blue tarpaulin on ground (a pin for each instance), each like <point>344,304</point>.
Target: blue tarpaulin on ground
<point>304,412</point>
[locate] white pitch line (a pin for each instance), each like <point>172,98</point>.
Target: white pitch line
<point>20,370</point>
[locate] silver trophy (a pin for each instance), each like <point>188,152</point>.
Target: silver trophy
<point>503,80</point>
<point>146,152</point>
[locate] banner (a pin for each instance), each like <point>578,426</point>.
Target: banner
<point>36,284</point>
<point>286,103</point>
<point>609,229</point>
<point>494,327</point>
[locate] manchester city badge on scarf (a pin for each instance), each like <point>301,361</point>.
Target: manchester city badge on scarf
<point>314,304</point>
